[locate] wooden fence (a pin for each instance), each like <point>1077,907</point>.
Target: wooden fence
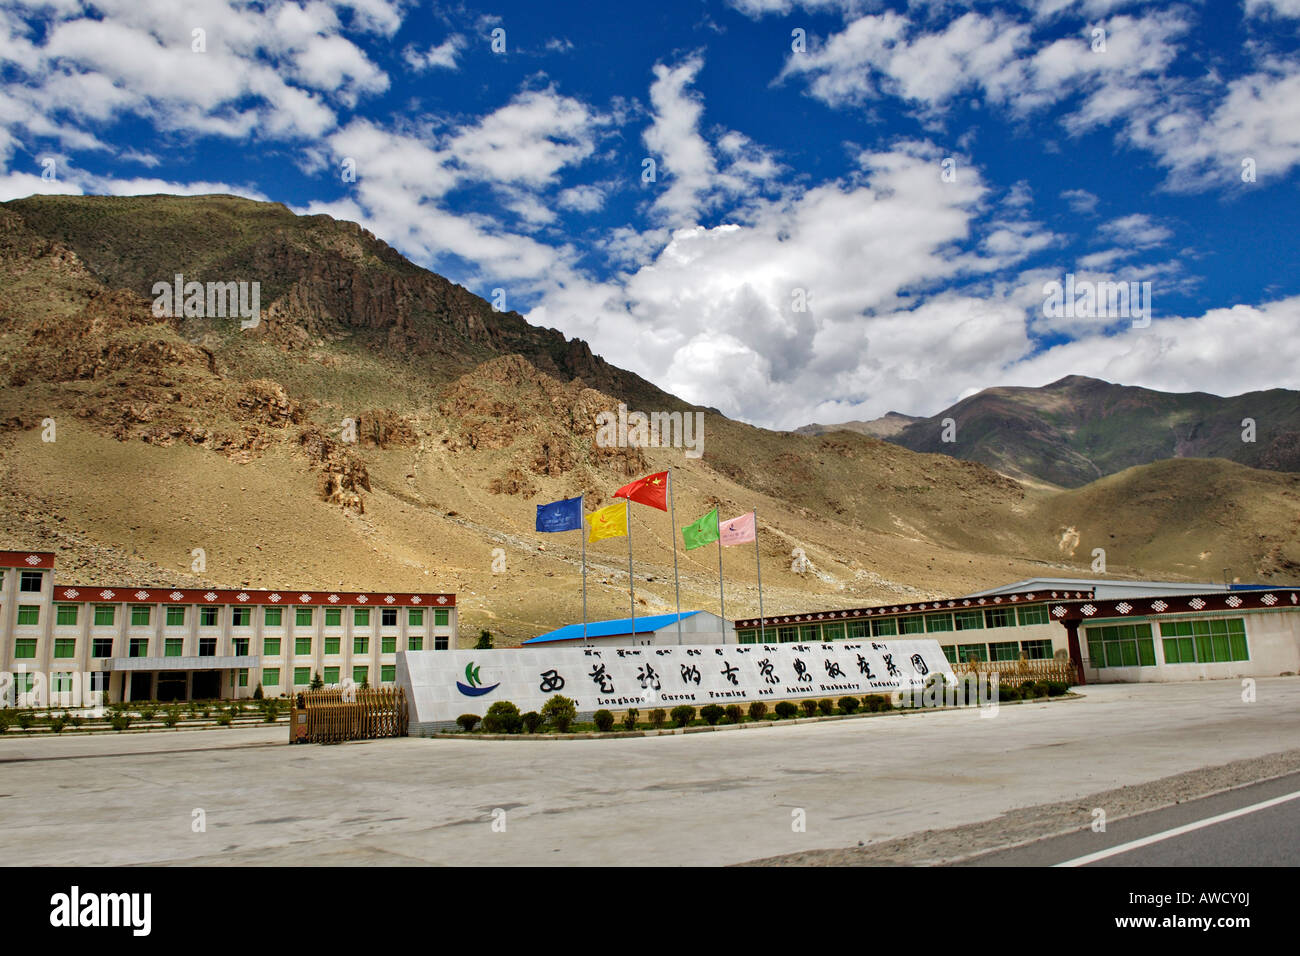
<point>334,714</point>
<point>1015,673</point>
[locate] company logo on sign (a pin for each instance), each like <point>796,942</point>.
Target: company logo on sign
<point>473,687</point>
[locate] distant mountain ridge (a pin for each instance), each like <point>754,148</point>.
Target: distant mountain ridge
<point>1079,429</point>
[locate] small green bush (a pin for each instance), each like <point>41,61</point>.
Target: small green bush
<point>468,722</point>
<point>6,718</point>
<point>711,713</point>
<point>257,693</point>
<point>809,707</point>
<point>735,713</point>
<point>848,704</point>
<point>25,719</point>
<point>1030,690</point>
<point>503,718</point>
<point>1057,688</point>
<point>171,716</point>
<point>147,712</point>
<point>629,719</point>
<point>785,710</point>
<point>827,707</point>
<point>1007,693</point>
<point>604,721</point>
<point>73,719</point>
<point>658,717</point>
<point>560,712</point>
<point>533,720</point>
<point>224,719</point>
<point>682,714</point>
<point>120,721</point>
<point>270,710</point>
<point>58,723</point>
<point>757,710</point>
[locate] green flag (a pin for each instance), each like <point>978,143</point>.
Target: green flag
<point>702,532</point>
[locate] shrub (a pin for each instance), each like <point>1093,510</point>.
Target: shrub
<point>317,682</point>
<point>532,720</point>
<point>1006,693</point>
<point>827,707</point>
<point>711,713</point>
<point>6,718</point>
<point>785,710</point>
<point>171,716</point>
<point>735,713</point>
<point>604,721</point>
<point>468,722</point>
<point>757,710</point>
<point>25,719</point>
<point>886,702</point>
<point>682,714</point>
<point>73,719</point>
<point>658,717</point>
<point>629,719</point>
<point>147,712</point>
<point>503,718</point>
<point>848,704</point>
<point>809,707</point>
<point>270,710</point>
<point>58,723</point>
<point>224,718</point>
<point>257,693</point>
<point>560,712</point>
<point>1056,688</point>
<point>120,721</point>
<point>1029,690</point>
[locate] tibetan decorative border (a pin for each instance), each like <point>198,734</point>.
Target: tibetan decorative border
<point>922,607</point>
<point>85,593</point>
<point>26,559</point>
<point>1166,605</point>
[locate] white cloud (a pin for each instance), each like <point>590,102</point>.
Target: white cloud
<point>442,56</point>
<point>1081,201</point>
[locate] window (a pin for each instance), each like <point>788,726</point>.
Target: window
<point>938,622</point>
<point>271,676</point>
<point>207,647</point>
<point>1121,645</point>
<point>272,616</point>
<point>61,682</point>
<point>950,652</point>
<point>243,677</point>
<point>1037,650</point>
<point>361,617</point>
<point>301,676</point>
<point>65,647</point>
<point>29,582</point>
<point>388,617</point>
<point>360,674</point>
<point>387,673</point>
<point>29,614</point>
<point>140,616</point>
<point>833,632</point>
<point>241,616</point>
<point>271,646</point>
<point>361,645</point>
<point>884,627</point>
<point>332,645</point>
<point>241,645</point>
<point>25,648</point>
<point>331,676</point>
<point>175,616</point>
<point>104,615</point>
<point>999,617</point>
<point>302,646</point>
<point>334,617</point>
<point>302,616</point>
<point>972,652</point>
<point>1034,614</point>
<point>173,646</point>
<point>208,617</point>
<point>809,633</point>
<point>417,643</point>
<point>1004,651</point>
<point>969,620</point>
<point>440,642</point>
<point>858,630</point>
<point>101,647</point>
<point>787,635</point>
<point>441,617</point>
<point>415,617</point>
<point>911,625</point>
<point>388,645</point>
<point>66,615</point>
<point>139,647</point>
<point>24,682</point>
<point>1204,641</point>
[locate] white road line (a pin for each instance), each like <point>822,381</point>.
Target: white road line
<point>1177,831</point>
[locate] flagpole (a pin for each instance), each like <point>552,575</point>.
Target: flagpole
<point>758,565</point>
<point>722,605</point>
<point>631,581</point>
<point>582,530</point>
<point>677,586</point>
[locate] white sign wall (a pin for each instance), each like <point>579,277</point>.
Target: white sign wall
<point>441,685</point>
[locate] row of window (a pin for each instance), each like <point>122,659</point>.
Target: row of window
<point>913,624</point>
<point>998,651</point>
<point>330,675</point>
<point>29,582</point>
<point>1182,642</point>
<point>105,615</point>
<point>66,647</point>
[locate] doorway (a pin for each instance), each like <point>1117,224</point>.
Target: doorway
<point>206,685</point>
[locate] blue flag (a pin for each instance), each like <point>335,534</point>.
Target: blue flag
<point>564,515</point>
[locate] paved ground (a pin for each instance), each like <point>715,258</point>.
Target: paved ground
<point>701,798</point>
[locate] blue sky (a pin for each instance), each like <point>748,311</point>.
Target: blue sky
<point>800,254</point>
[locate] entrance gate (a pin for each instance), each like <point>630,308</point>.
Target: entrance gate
<point>334,714</point>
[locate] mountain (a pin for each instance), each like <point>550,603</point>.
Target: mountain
<point>1079,429</point>
<point>886,426</point>
<point>382,427</point>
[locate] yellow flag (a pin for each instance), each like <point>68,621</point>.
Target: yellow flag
<point>610,522</point>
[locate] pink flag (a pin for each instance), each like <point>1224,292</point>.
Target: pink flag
<point>738,530</point>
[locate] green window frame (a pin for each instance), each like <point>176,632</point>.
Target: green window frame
<point>441,617</point>
<point>742,637</point>
<point>331,676</point>
<point>207,617</point>
<point>361,617</point>
<point>241,616</point>
<point>999,617</point>
<point>1004,650</point>
<point>333,645</point>
<point>388,617</point>
<point>175,616</point>
<point>1032,614</point>
<point>270,676</point>
<point>859,630</point>
<point>302,616</point>
<point>301,676</point>
<point>440,642</point>
<point>243,677</point>
<point>138,647</point>
<point>387,673</point>
<point>302,646</point>
<point>911,625</point>
<point>61,682</point>
<point>416,642</point>
<point>1121,645</point>
<point>173,647</point>
<point>950,652</point>
<point>240,645</point>
<point>809,634</point>
<point>1205,641</point>
<point>415,617</point>
<point>29,614</point>
<point>977,651</point>
<point>140,615</point>
<point>388,644</point>
<point>30,582</point>
<point>101,647</point>
<point>66,615</point>
<point>884,627</point>
<point>105,615</point>
<point>360,674</point>
<point>271,646</point>
<point>833,632</point>
<point>1039,650</point>
<point>334,617</point>
<point>968,620</point>
<point>25,648</point>
<point>938,622</point>
<point>360,645</point>
<point>272,616</point>
<point>65,647</point>
<point>787,635</point>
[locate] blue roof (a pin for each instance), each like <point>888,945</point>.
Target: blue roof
<point>644,625</point>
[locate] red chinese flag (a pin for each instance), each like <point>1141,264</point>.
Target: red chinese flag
<point>651,490</point>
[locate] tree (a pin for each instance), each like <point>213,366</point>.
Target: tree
<point>317,682</point>
<point>484,641</point>
<point>561,712</point>
<point>503,718</point>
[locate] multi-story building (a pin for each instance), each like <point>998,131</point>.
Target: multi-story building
<point>137,643</point>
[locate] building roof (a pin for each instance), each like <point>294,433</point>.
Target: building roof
<point>1102,587</point>
<point>644,625</point>
<point>971,603</point>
